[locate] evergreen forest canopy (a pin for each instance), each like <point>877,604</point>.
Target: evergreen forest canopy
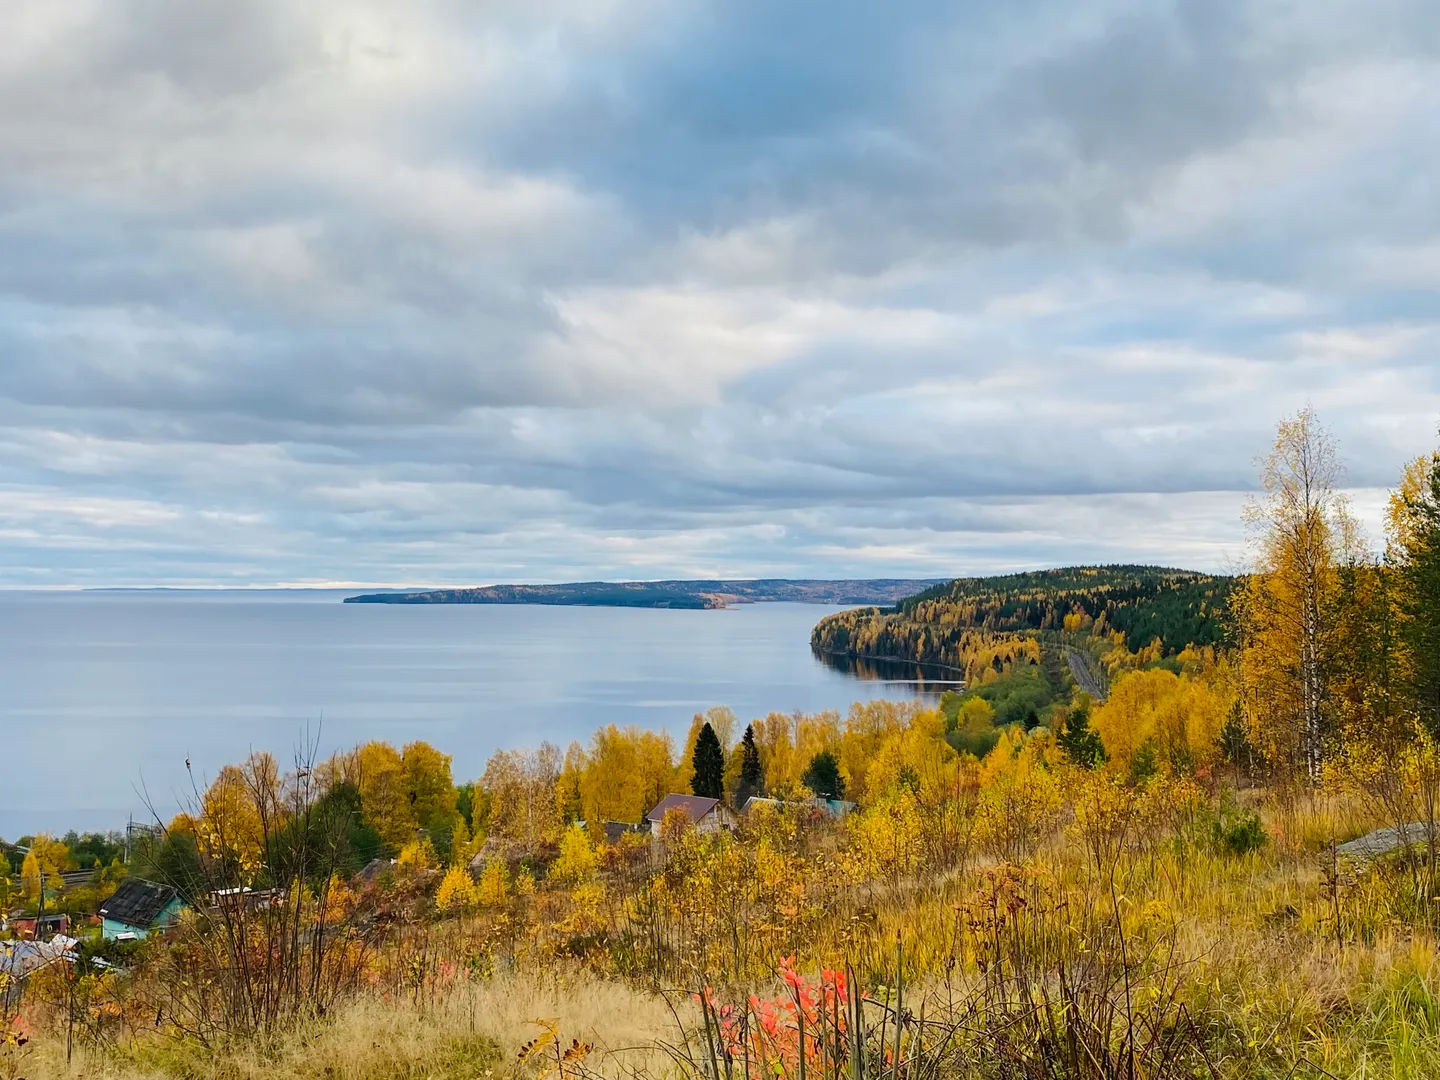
<point>971,624</point>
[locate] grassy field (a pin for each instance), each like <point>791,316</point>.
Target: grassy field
<point>1115,937</point>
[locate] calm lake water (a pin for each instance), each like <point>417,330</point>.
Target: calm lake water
<point>105,695</point>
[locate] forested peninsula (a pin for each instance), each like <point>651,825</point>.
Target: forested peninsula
<point>987,626</point>
<point>668,594</point>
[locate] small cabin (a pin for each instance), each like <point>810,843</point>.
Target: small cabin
<point>41,927</point>
<point>707,815</point>
<point>139,908</point>
<point>835,808</point>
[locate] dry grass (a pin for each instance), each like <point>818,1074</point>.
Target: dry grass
<point>1277,986</point>
<point>471,1030</point>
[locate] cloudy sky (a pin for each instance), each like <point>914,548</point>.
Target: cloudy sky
<point>449,291</point>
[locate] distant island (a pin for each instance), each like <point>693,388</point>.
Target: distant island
<point>668,594</point>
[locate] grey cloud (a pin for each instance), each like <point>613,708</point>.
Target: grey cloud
<point>204,47</point>
<point>1156,87</point>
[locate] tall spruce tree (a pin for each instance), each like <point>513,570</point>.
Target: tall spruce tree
<point>1415,535</point>
<point>752,774</point>
<point>1079,740</point>
<point>709,762</point>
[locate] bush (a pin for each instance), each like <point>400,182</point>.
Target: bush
<point>1237,832</point>
<point>978,742</point>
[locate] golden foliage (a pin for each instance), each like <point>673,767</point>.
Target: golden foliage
<point>1401,520</point>
<point>457,891</point>
<point>522,786</point>
<point>418,855</point>
<point>230,829</point>
<point>380,776</point>
<point>463,846</point>
<point>428,786</point>
<point>32,876</point>
<point>1178,716</point>
<point>626,773</point>
<point>884,838</point>
<point>1303,532</point>
<point>577,861</point>
<point>788,743</point>
<point>917,755</point>
<point>494,887</point>
<point>1020,801</point>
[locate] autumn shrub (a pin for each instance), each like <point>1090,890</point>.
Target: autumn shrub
<point>577,860</point>
<point>1044,1003</point>
<point>1238,832</point>
<point>494,886</point>
<point>457,891</point>
<point>1020,801</point>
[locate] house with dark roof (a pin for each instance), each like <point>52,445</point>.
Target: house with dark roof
<point>706,815</point>
<point>616,831</point>
<point>138,909</point>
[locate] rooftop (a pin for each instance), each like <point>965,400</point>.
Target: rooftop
<point>694,806</point>
<point>615,830</point>
<point>138,903</point>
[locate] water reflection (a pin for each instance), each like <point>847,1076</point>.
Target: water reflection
<point>926,679</point>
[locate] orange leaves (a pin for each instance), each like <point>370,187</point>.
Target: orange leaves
<point>772,1034</point>
<point>549,1051</point>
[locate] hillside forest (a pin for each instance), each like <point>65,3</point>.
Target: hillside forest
<point>1172,825</point>
<point>663,594</point>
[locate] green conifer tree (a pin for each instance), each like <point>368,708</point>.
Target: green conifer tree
<point>752,774</point>
<point>1079,740</point>
<point>823,776</point>
<point>1419,587</point>
<point>709,762</point>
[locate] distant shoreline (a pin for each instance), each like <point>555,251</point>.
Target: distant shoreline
<point>899,661</point>
<point>680,594</point>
